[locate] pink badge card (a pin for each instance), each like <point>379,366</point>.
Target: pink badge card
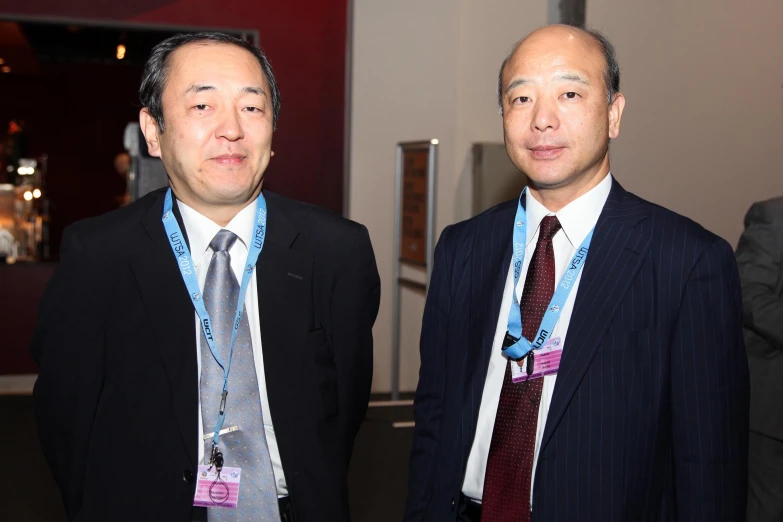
<point>545,362</point>
<point>214,492</point>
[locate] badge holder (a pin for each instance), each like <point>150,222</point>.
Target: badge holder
<point>217,486</point>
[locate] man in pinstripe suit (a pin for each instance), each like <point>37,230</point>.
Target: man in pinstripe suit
<point>646,417</point>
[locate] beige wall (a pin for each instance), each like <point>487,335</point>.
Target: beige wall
<point>422,70</point>
<point>702,131</point>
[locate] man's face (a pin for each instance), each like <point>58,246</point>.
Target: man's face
<point>217,115</point>
<point>556,119</point>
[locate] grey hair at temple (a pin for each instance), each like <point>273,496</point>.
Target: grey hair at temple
<point>611,73</point>
<point>153,80</point>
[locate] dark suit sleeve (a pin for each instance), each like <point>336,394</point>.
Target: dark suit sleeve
<point>759,256</point>
<point>710,393</point>
<point>355,304</point>
<point>67,345</point>
<point>428,407</point>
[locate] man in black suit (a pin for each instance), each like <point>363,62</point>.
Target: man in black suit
<point>760,260</point>
<point>129,379</point>
<point>633,403</point>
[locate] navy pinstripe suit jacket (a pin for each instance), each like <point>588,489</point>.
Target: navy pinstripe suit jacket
<point>649,417</point>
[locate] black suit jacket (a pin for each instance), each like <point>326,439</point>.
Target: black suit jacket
<point>117,396</point>
<point>649,416</point>
<point>760,260</point>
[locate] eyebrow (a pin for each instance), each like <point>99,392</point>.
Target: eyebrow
<point>255,90</point>
<point>572,77</point>
<point>196,88</point>
<point>567,77</point>
<point>516,83</point>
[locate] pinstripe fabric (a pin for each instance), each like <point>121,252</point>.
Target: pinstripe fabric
<point>648,420</point>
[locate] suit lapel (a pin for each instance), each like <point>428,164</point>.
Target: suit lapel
<point>170,313</point>
<point>490,261</point>
<point>284,279</point>
<point>616,254</point>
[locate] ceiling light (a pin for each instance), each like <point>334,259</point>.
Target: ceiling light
<point>37,193</point>
<point>120,52</point>
<point>28,196</point>
<point>5,69</point>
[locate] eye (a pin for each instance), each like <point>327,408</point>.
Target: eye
<point>201,107</point>
<point>571,95</point>
<point>520,99</point>
<point>253,109</point>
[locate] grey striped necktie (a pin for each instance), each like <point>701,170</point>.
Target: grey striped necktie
<point>246,448</point>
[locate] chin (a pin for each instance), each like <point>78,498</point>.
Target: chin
<point>229,195</point>
<point>547,178</point>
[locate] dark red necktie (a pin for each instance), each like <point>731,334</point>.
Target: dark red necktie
<point>509,474</point>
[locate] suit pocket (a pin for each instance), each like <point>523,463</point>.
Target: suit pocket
<point>322,373</point>
<point>620,341</point>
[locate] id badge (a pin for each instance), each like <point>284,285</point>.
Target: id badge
<point>212,491</point>
<point>546,361</point>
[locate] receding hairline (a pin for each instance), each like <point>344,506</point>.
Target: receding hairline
<point>561,27</point>
<point>168,62</point>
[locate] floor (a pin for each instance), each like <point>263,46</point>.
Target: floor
<point>377,479</point>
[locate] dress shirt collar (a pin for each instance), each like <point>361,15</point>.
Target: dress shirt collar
<point>577,218</point>
<point>201,229</point>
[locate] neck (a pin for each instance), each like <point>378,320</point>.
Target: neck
<point>221,214</point>
<point>555,198</point>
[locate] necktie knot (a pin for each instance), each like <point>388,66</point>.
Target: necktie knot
<point>222,241</point>
<point>549,227</point>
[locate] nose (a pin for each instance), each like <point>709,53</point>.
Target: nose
<point>230,125</point>
<point>545,116</point>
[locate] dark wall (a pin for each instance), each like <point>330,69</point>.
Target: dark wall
<point>75,113</point>
<point>305,41</point>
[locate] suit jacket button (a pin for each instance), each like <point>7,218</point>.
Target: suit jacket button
<point>187,476</point>
<point>452,503</point>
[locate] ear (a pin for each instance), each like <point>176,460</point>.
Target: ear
<point>616,114</point>
<point>149,127</point>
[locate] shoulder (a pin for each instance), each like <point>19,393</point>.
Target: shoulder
<point>491,222</point>
<point>111,231</point>
<point>769,211</point>
<point>323,232</point>
<point>680,236</point>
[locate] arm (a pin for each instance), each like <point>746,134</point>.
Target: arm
<point>428,406</point>
<point>710,393</point>
<point>759,256</point>
<point>67,345</point>
<point>354,306</point>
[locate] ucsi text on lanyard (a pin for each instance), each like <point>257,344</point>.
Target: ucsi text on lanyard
<point>187,268</point>
<point>515,346</point>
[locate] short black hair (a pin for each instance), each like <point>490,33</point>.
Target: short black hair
<point>611,73</point>
<point>153,80</point>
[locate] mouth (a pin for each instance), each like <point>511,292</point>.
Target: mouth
<point>229,160</point>
<point>546,152</point>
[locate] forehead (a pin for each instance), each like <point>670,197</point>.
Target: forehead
<point>556,49</point>
<point>213,63</point>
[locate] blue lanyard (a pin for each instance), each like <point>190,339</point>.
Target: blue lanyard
<point>515,346</point>
<point>187,268</point>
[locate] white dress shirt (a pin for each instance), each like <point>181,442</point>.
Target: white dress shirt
<point>577,219</point>
<point>201,230</point>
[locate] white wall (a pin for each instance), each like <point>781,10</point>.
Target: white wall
<point>702,131</point>
<point>422,70</point>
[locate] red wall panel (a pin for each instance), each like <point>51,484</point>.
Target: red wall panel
<point>305,41</point>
